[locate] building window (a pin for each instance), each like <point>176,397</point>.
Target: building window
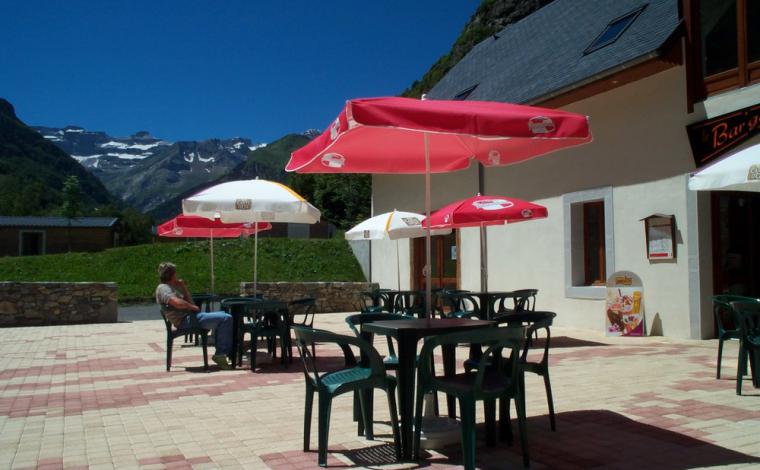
<point>589,245</point>
<point>614,30</point>
<point>595,271</point>
<point>727,43</point>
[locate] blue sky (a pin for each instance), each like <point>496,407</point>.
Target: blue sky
<point>198,69</point>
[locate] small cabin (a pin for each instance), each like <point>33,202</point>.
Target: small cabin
<point>27,236</point>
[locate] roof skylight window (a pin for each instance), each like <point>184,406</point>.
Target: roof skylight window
<point>462,95</point>
<point>614,30</point>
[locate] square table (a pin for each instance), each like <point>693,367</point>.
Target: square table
<point>408,333</point>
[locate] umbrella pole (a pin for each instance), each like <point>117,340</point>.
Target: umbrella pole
<point>428,273</point>
<point>483,258</point>
<point>211,249</point>
<point>398,268</point>
<point>255,257</point>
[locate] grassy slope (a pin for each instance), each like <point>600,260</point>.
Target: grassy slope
<point>134,268</point>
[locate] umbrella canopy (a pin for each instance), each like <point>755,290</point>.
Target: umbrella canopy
<point>191,226</point>
<point>404,135</point>
<point>485,210</point>
<point>391,226</point>
<point>251,201</point>
<point>482,211</point>
<point>738,172</point>
<point>384,135</point>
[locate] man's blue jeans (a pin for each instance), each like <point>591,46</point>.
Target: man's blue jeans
<point>221,323</point>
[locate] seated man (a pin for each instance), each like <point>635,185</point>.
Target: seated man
<point>176,303</point>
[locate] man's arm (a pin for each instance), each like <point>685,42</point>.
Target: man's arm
<point>182,304</point>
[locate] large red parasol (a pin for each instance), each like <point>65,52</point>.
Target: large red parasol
<point>404,135</point>
<point>482,211</point>
<point>191,226</point>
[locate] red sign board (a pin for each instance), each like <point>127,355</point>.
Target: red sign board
<point>712,138</point>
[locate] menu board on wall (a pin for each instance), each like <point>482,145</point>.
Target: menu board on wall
<point>624,308</point>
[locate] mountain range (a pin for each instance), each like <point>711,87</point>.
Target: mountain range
<point>32,171</point>
<point>144,171</point>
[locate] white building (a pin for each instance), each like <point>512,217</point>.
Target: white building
<point>643,72</point>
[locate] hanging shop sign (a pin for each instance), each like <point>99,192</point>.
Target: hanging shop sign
<point>712,138</point>
<point>625,305</point>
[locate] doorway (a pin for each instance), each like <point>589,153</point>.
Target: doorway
<point>444,251</point>
<point>31,243</point>
<point>736,251</point>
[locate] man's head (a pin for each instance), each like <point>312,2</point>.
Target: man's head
<point>166,272</point>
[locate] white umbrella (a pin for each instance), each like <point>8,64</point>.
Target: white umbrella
<point>251,201</point>
<point>392,226</point>
<point>738,172</point>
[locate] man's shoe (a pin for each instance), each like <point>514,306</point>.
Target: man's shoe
<point>221,361</point>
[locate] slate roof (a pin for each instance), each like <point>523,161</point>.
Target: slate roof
<point>543,52</point>
<point>46,222</point>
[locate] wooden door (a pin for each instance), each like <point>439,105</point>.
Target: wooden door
<point>736,250</point>
<point>445,265</point>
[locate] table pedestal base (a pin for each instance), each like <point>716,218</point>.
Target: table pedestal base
<point>437,432</point>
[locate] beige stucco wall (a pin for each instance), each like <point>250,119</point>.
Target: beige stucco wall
<point>641,151</point>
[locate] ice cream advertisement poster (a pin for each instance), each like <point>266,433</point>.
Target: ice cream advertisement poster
<point>624,308</point>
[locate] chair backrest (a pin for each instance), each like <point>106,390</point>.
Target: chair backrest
<point>305,307</point>
<point>494,339</point>
<point>725,316</point>
<point>459,305</point>
<point>166,321</point>
<point>533,322</point>
<point>306,337</point>
<point>356,321</point>
<point>525,299</point>
<point>410,303</point>
<point>748,316</point>
<point>374,301</point>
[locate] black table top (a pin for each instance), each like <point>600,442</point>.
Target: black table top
<point>429,326</point>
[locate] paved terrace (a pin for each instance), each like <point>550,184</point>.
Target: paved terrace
<point>97,396</point>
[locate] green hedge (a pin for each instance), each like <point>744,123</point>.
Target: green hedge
<point>134,268</point>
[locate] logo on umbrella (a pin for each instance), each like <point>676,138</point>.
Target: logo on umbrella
<point>410,221</point>
<point>243,204</point>
<point>527,213</point>
<point>492,204</point>
<point>334,129</point>
<point>754,173</point>
<point>333,160</point>
<point>178,231</point>
<point>365,233</point>
<point>494,157</point>
<point>541,125</point>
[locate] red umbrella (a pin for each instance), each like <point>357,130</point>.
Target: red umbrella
<point>404,135</point>
<point>193,226</point>
<point>482,211</point>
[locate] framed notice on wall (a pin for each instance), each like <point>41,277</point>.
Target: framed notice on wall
<point>660,231</point>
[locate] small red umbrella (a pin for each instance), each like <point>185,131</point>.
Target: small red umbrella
<point>193,226</point>
<point>404,135</point>
<point>482,211</point>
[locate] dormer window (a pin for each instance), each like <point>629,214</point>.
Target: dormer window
<point>614,30</point>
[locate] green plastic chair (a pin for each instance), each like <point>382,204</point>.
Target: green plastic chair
<point>410,303</point>
<point>374,302</point>
<point>194,328</point>
<point>268,320</point>
<point>356,322</point>
<point>722,311</point>
<point>366,375</point>
<point>459,305</point>
<point>485,383</point>
<point>748,314</point>
<point>301,312</point>
<point>533,322</point>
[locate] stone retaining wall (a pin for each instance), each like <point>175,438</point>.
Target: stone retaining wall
<point>331,296</point>
<point>57,303</point>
